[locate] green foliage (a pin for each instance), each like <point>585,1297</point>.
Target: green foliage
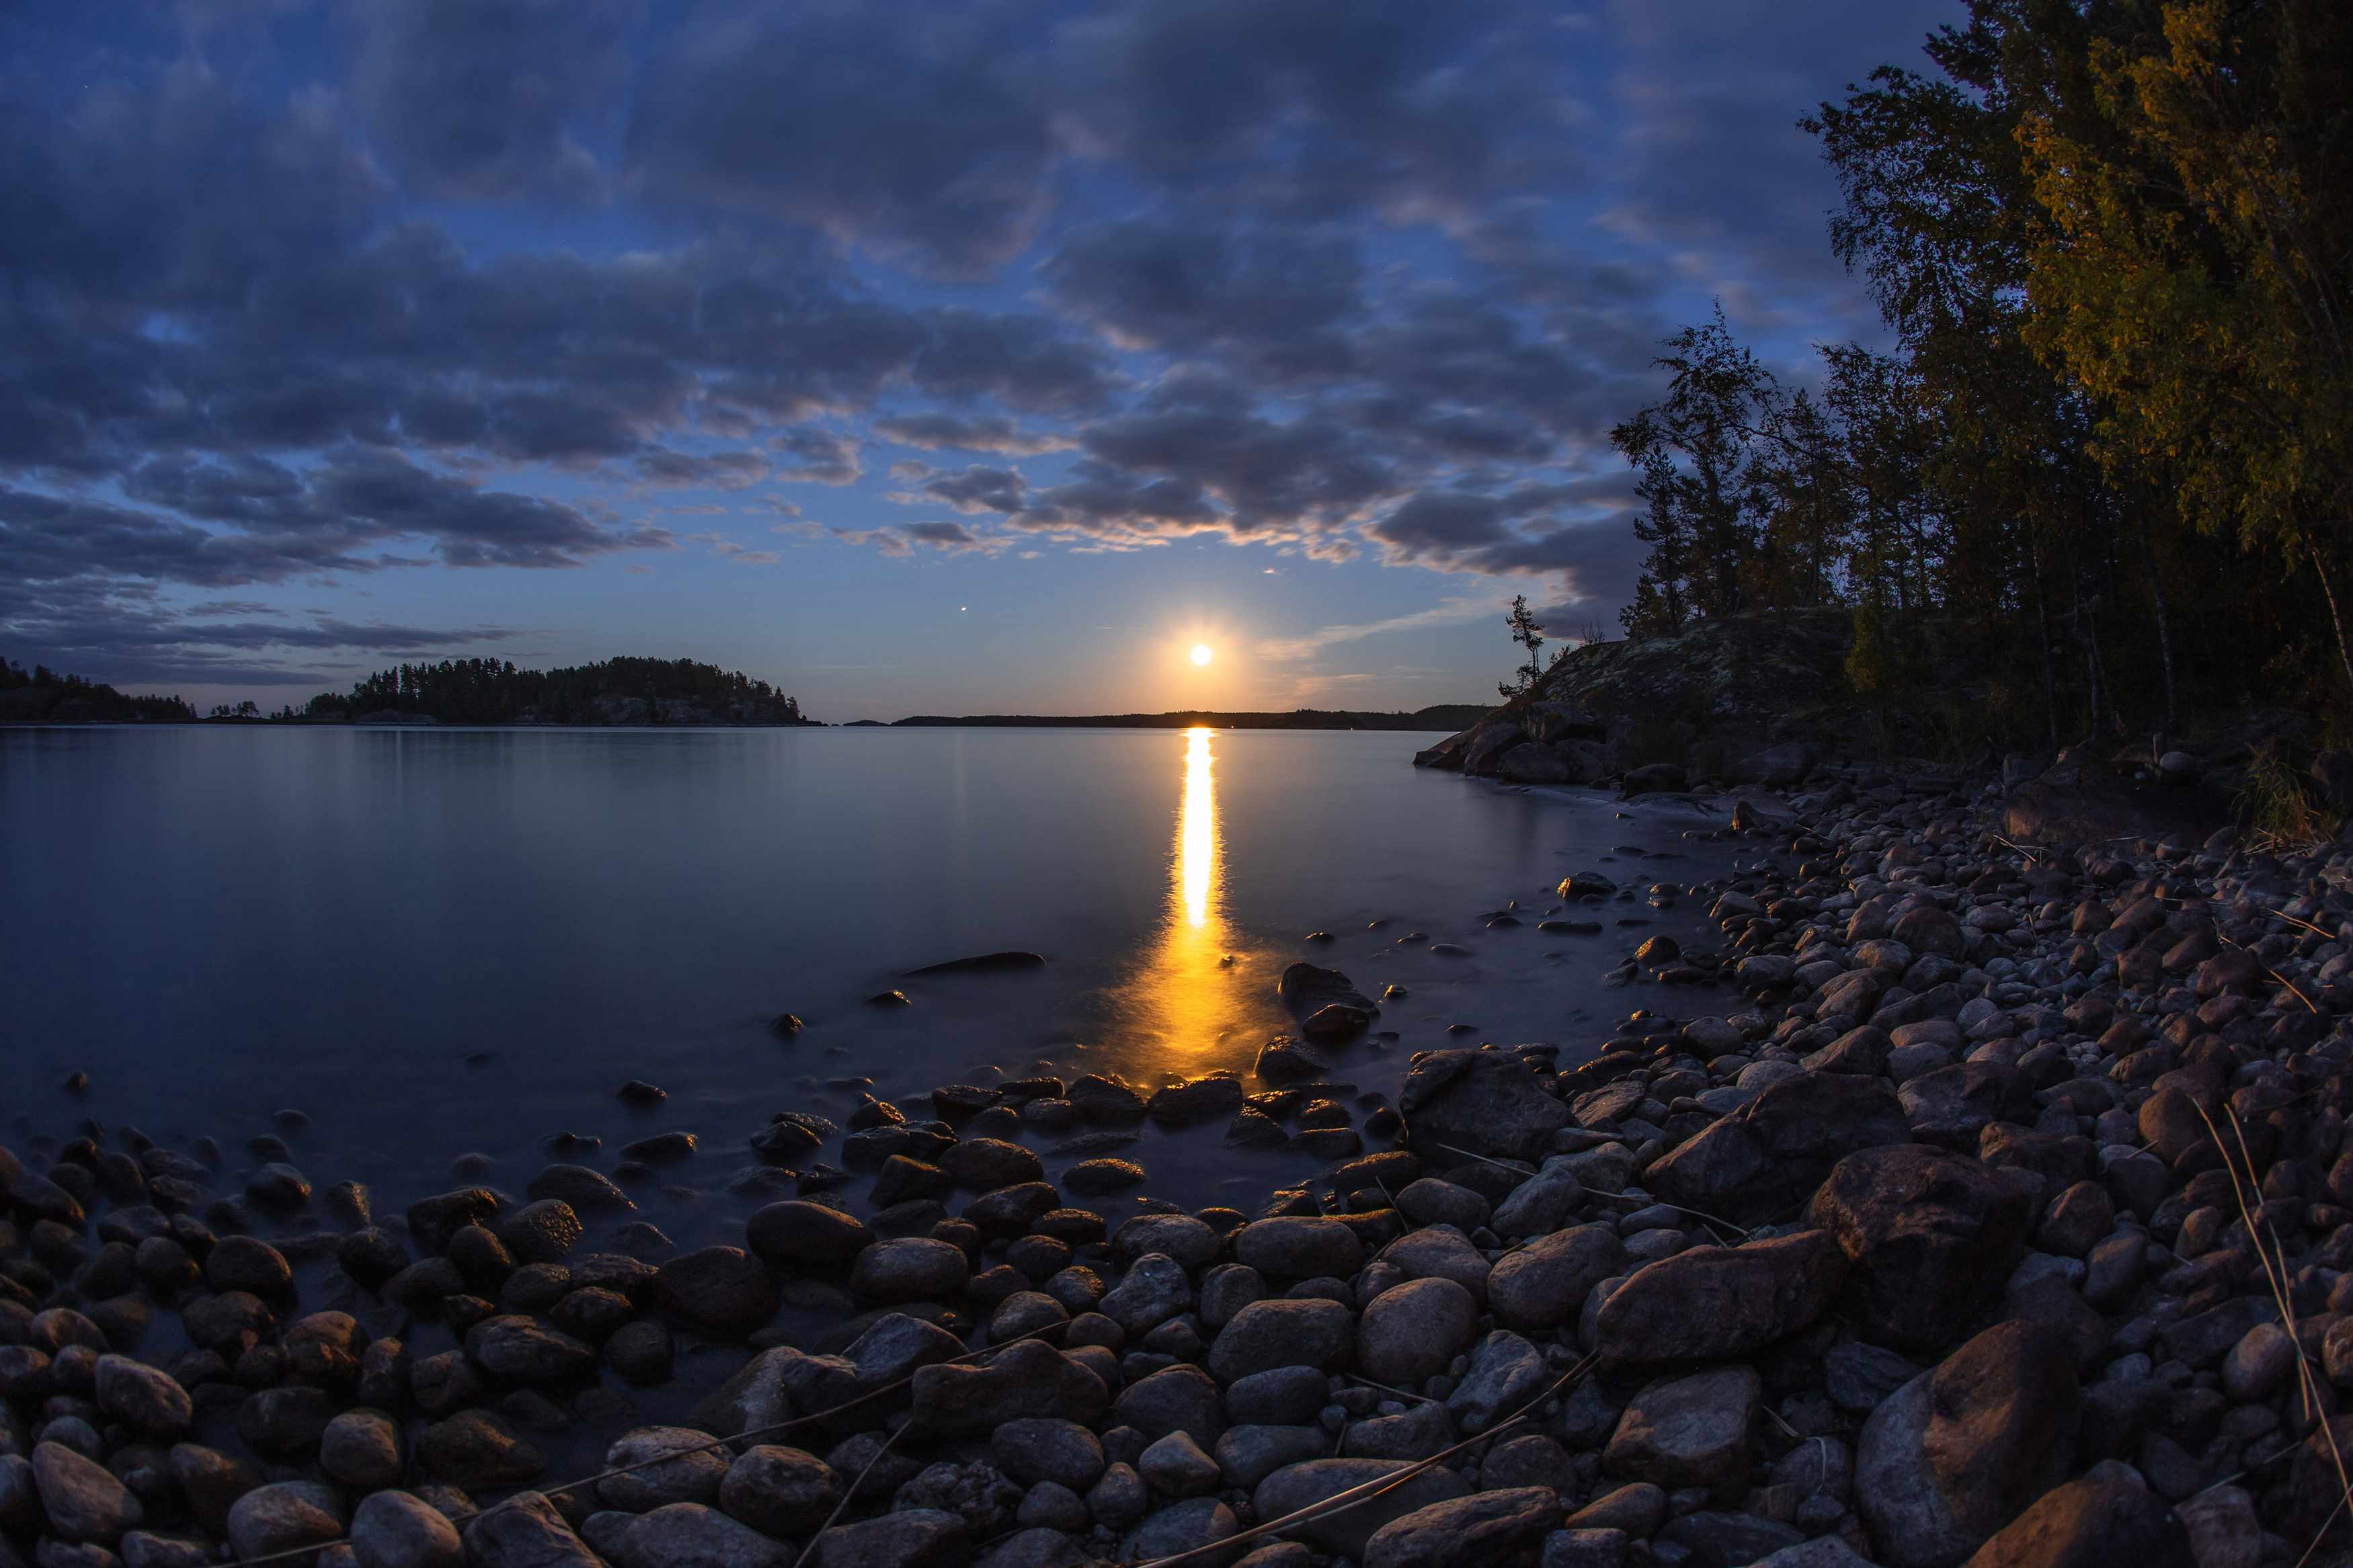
<point>41,693</point>
<point>1884,662</point>
<point>1758,497</point>
<point>2196,167</point>
<point>616,690</point>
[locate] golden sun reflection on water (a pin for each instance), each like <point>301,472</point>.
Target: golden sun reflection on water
<point>1197,830</point>
<point>1192,1004</point>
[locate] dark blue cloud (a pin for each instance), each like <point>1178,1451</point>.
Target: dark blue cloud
<point>1321,108</point>
<point>345,514</point>
<point>483,100</point>
<point>1279,301</point>
<point>822,456</point>
<point>934,429</point>
<point>978,489</point>
<point>919,131</point>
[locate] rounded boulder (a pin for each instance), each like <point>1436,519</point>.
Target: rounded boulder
<point>1412,1333</point>
<point>720,1288</point>
<point>688,1469</point>
<point>1265,1335</point>
<point>910,1268</point>
<point>1299,1248</point>
<point>800,1235</point>
<point>399,1530</point>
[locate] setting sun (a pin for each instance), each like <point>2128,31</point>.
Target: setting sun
<point>1200,653</point>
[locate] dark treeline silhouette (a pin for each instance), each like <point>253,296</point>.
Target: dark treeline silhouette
<point>2103,482</point>
<point>45,695</point>
<point>613,691</point>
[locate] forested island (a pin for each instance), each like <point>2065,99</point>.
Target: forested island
<point>496,691</point>
<point>44,695</point>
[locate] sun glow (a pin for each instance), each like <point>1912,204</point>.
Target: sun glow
<point>1201,653</point>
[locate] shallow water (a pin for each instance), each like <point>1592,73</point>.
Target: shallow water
<point>437,943</point>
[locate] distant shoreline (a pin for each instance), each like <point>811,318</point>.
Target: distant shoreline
<point>1446,718</point>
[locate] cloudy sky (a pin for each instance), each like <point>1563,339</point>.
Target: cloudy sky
<point>920,355</point>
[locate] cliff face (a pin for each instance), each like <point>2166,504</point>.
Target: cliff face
<point>1749,697</point>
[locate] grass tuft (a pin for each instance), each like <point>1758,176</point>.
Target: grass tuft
<point>2279,806</point>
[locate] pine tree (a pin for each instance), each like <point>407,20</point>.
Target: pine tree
<point>1660,607</point>
<point>1529,634</point>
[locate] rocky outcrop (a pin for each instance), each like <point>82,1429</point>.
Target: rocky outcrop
<point>1767,690</point>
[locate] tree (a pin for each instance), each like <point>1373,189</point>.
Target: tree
<point>1530,636</point>
<point>1695,449</point>
<point>43,692</point>
<point>1803,480</point>
<point>2113,240</point>
<point>1941,218</point>
<point>2197,277</point>
<point>1659,608</point>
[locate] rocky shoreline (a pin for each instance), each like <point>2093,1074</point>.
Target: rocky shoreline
<point>1970,1203</point>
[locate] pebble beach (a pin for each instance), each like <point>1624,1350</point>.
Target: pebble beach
<point>1953,1202</point>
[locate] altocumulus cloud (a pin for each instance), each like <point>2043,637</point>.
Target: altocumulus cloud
<point>466,284</point>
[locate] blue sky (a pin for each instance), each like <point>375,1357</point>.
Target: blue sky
<point>945,358</point>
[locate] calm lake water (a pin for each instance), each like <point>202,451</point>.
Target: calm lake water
<point>437,943</point>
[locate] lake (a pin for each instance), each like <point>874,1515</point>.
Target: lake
<point>443,942</point>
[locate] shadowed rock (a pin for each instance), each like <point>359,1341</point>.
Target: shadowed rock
<point>1721,1301</point>
<point>1761,1162</point>
<point>1930,1236</point>
<point>1961,1452</point>
<point>1478,1103</point>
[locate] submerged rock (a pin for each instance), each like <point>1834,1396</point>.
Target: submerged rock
<point>983,963</point>
<point>1306,989</point>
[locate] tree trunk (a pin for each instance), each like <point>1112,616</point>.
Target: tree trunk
<point>2043,636</point>
<point>2076,625</point>
<point>2100,678</point>
<point>2164,633</point>
<point>2335,615</point>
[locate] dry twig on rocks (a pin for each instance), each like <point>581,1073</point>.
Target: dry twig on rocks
<point>2275,1265</point>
